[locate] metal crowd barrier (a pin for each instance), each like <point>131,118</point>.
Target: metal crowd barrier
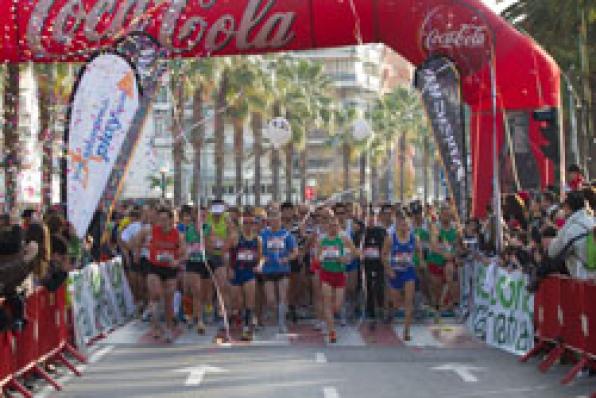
<point>565,318</point>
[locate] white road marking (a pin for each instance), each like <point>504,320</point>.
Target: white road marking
<point>330,392</point>
<point>196,374</point>
<point>462,370</point>
<point>100,354</point>
<point>320,358</point>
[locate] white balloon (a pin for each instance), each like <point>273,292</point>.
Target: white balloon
<point>279,131</point>
<point>361,130</point>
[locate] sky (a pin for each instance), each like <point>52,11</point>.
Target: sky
<point>498,5</point>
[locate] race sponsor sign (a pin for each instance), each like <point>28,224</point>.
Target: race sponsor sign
<point>503,310</point>
<point>101,299</point>
<point>102,110</point>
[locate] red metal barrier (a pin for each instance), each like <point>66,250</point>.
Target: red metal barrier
<point>565,323</point>
<point>42,340</point>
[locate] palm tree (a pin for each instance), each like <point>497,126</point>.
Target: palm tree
<point>178,79</point>
<point>44,78</point>
<point>202,76</point>
<point>243,77</point>
<point>12,161</point>
<point>307,97</point>
<point>221,96</point>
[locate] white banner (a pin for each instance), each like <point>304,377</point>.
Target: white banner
<point>101,299</point>
<point>102,110</point>
<point>503,311</point>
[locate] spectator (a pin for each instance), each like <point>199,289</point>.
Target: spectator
<point>575,178</point>
<point>571,240</point>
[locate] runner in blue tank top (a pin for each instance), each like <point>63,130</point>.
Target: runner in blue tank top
<point>398,255</point>
<point>249,249</point>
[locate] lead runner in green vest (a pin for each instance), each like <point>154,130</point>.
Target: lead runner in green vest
<point>196,276</point>
<point>332,253</point>
<point>445,243</point>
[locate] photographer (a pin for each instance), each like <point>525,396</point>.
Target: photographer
<point>570,244</point>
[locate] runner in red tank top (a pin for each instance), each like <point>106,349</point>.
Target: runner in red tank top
<point>167,252</point>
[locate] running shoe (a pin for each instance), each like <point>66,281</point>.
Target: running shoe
<point>332,337</point>
<point>317,325</point>
<point>247,333</point>
<point>201,329</point>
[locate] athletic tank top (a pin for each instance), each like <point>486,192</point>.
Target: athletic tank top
<point>402,253</point>
<point>163,250</point>
<point>196,248</point>
<point>332,251</point>
<point>247,253</point>
<point>447,238</point>
<point>217,232</point>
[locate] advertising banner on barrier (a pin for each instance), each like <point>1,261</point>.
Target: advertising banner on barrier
<point>503,311</point>
<point>101,299</point>
<point>102,109</point>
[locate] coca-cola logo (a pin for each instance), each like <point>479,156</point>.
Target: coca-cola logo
<point>466,36</point>
<point>459,33</point>
<point>56,27</point>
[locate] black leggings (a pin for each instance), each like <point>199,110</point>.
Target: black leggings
<point>375,288</point>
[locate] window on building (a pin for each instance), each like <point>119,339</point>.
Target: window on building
<point>161,125</point>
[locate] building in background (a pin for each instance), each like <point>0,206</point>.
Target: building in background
<point>360,74</point>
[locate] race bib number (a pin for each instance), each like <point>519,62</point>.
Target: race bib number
<point>195,251</point>
<point>402,260</point>
<point>246,255</point>
<point>165,258</point>
<point>218,243</point>
<point>330,253</point>
<point>276,244</point>
<point>372,252</point>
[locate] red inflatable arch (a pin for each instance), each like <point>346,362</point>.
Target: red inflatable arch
<point>466,31</point>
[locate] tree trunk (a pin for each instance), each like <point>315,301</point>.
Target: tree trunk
<point>374,181</point>
<point>346,166</point>
<point>275,165</point>
<point>198,135</point>
<point>219,135</point>
<point>12,161</point>
<point>402,164</point>
<point>425,166</point>
<point>257,131</point>
<point>44,84</point>
<point>437,182</point>
<point>303,162</point>
<point>238,158</point>
<point>289,170</point>
<point>587,111</point>
<point>363,178</point>
<point>275,161</point>
<point>388,174</point>
<point>177,139</point>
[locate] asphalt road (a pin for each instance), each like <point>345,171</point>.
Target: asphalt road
<point>301,364</point>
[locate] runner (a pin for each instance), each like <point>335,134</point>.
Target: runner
<point>279,248</point>
<point>374,239</point>
<point>167,251</point>
<point>347,228</point>
<point>441,262</point>
<point>422,232</point>
<point>196,276</point>
<point>288,220</point>
<point>333,256</point>
<point>217,234</point>
<point>398,252</point>
<point>315,235</point>
<point>386,220</point>
<point>249,249</point>
<point>135,277</point>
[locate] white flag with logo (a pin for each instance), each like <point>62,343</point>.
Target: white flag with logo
<point>102,110</point>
